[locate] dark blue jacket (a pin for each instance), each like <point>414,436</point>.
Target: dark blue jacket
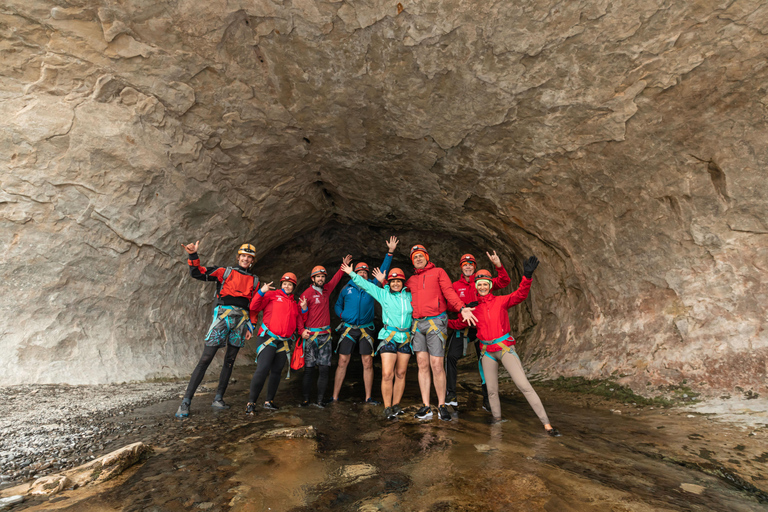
<point>354,305</point>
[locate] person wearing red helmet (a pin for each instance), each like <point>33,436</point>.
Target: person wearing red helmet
<point>457,343</point>
<point>282,321</point>
<point>317,322</point>
<point>431,292</point>
<point>498,345</point>
<point>394,345</point>
<point>235,286</point>
<point>355,308</point>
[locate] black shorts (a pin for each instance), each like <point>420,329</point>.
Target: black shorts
<point>355,338</point>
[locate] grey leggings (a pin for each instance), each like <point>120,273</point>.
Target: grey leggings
<point>515,368</point>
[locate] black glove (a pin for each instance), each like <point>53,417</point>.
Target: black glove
<point>472,304</point>
<point>529,266</point>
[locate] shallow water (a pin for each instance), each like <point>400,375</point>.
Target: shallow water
<point>661,460</point>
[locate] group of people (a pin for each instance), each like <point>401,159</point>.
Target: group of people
<point>414,314</point>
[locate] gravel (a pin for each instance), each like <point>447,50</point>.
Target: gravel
<point>47,428</point>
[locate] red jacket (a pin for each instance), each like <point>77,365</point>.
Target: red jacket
<point>465,287</point>
<point>430,288</point>
<point>239,288</point>
<point>318,315</point>
<point>281,313</point>
<point>492,316</point>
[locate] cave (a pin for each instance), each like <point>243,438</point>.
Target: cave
<point>622,144</point>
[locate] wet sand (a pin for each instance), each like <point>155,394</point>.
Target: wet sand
<point>640,460</point>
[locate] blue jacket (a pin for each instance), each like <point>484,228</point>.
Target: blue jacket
<point>354,305</point>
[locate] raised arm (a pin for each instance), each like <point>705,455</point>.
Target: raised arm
<point>198,271</point>
<point>521,293</point>
<point>502,280</point>
<point>331,285</point>
<point>391,246</point>
<point>373,290</point>
<point>262,297</point>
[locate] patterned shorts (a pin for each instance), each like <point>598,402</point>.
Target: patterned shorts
<point>318,352</point>
<point>229,326</point>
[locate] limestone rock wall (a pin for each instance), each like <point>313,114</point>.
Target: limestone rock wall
<point>624,143</point>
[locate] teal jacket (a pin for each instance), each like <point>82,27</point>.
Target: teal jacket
<point>396,309</point>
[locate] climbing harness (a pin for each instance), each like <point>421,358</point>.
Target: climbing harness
<point>432,326</point>
<point>286,347</point>
<point>363,333</point>
<point>392,332</point>
<point>497,343</point>
<point>316,332</point>
<point>232,316</point>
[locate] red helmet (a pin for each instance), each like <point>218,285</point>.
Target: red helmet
<point>396,273</point>
<point>361,266</point>
<point>290,277</point>
<point>421,249</point>
<point>483,275</point>
<point>318,270</point>
<point>467,258</point>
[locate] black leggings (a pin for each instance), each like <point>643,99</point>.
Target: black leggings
<point>205,360</point>
<point>453,354</point>
<point>269,362</point>
<point>322,381</point>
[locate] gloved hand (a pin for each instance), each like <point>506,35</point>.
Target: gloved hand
<point>529,266</point>
<point>472,304</point>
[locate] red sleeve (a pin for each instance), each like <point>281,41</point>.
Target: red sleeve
<point>455,287</point>
<point>299,320</point>
<point>259,302</point>
<point>502,280</point>
<point>304,315</point>
<point>329,286</point>
<point>518,295</point>
<point>457,324</point>
<point>448,292</point>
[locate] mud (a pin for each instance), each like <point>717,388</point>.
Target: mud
<point>612,456</point>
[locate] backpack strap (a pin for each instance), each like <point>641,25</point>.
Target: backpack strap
<point>224,280</point>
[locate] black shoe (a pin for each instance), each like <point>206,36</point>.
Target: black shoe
<point>328,401</point>
<point>444,413</point>
<point>424,413</point>
<point>371,401</point>
<point>318,405</point>
<point>486,404</point>
<point>183,411</point>
<point>305,403</point>
<point>250,409</point>
<point>397,410</point>
<point>389,413</point>
<point>451,399</point>
<point>269,404</point>
<point>219,404</point>
<point>553,432</point>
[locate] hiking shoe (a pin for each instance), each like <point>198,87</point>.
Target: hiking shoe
<point>270,404</point>
<point>553,432</point>
<point>371,401</point>
<point>451,399</point>
<point>389,413</point>
<point>444,413</point>
<point>496,421</point>
<point>219,404</point>
<point>424,413</point>
<point>250,409</point>
<point>319,405</point>
<point>183,411</point>
<point>330,401</point>
<point>486,404</point>
<point>305,403</point>
<point>397,410</point>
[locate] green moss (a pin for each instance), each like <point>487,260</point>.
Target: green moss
<point>607,389</point>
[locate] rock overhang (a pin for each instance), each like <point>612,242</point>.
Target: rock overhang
<point>620,144</point>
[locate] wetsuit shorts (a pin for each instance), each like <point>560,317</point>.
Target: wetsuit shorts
<point>347,345</point>
<point>230,325</point>
<point>392,348</point>
<point>318,352</point>
<point>427,339</point>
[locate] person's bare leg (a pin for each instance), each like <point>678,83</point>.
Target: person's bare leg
<point>425,378</point>
<point>438,375</point>
<point>401,367</point>
<point>341,372</point>
<point>367,373</point>
<point>387,373</point>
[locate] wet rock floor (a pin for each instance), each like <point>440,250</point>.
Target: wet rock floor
<point>641,459</point>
